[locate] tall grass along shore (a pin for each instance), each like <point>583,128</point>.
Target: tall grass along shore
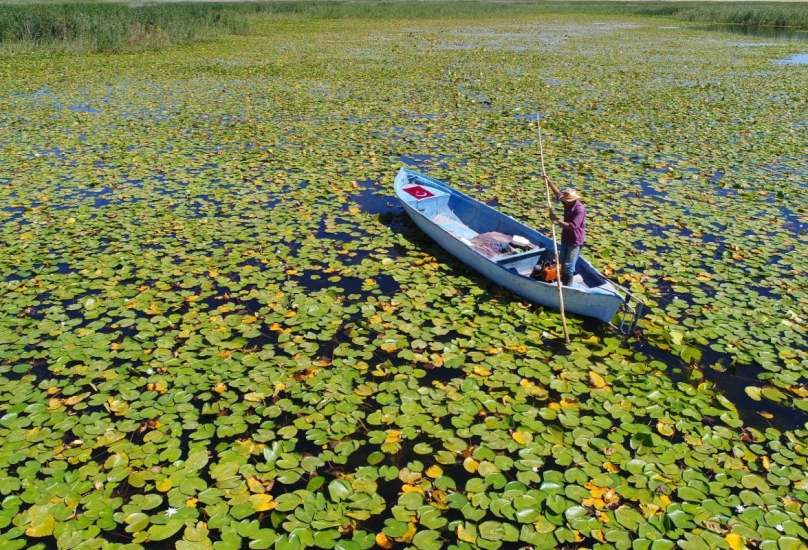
<point>112,27</point>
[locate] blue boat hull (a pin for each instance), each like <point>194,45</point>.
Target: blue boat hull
<point>453,219</point>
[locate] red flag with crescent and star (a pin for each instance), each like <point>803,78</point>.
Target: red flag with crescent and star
<point>419,192</point>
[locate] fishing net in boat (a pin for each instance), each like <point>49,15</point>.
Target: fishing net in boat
<point>491,244</point>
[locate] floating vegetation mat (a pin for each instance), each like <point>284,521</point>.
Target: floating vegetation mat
<point>219,330</point>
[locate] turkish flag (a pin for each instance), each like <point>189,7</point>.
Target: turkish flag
<point>419,192</point>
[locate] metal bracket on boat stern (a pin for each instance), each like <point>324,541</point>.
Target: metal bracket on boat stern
<point>630,311</point>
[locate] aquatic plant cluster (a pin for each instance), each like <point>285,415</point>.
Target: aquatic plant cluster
<point>218,330</point>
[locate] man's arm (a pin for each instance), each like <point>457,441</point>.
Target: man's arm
<point>556,193</point>
<point>559,221</point>
<point>554,189</point>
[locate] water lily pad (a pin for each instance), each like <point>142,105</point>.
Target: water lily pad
<point>395,529</point>
<point>135,522</point>
<point>427,540</point>
<point>165,531</point>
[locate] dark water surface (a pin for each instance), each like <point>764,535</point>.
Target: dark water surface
<point>757,31</point>
<point>780,33</point>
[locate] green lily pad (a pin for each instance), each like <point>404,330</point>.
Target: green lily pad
<point>137,521</point>
<point>628,518</point>
<point>165,531</point>
<point>393,528</point>
<point>427,540</point>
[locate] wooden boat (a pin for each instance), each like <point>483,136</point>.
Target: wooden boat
<point>467,228</point>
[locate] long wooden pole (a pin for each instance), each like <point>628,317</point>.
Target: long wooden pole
<point>555,244</point>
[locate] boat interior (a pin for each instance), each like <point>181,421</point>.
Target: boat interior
<point>465,220</point>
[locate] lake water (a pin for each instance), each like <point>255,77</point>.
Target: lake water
<point>799,59</point>
<point>781,33</point>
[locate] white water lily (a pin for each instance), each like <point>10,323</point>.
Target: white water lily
<point>740,508</point>
<point>171,511</point>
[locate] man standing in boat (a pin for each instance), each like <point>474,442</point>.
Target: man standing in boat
<point>573,230</point>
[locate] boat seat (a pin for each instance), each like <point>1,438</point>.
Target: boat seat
<point>527,254</point>
<point>432,206</point>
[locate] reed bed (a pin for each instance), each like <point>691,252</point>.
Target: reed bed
<point>794,15</point>
<point>114,27</point>
<point>101,27</point>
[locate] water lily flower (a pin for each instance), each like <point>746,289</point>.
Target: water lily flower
<point>150,371</point>
<point>171,511</point>
<point>740,508</point>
